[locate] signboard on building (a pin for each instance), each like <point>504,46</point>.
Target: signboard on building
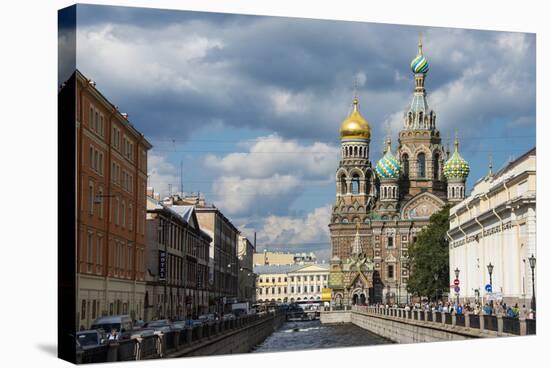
<point>326,295</point>
<point>162,265</point>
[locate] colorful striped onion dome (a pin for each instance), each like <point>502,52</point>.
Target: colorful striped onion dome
<point>388,167</point>
<point>420,64</point>
<point>456,167</point>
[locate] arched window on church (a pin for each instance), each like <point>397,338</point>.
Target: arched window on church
<point>393,192</point>
<point>421,120</point>
<point>436,166</point>
<point>385,193</point>
<point>421,165</point>
<point>452,192</point>
<point>405,163</point>
<point>343,185</point>
<point>368,182</point>
<point>355,184</point>
<point>355,151</point>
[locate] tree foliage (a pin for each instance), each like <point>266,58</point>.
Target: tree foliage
<point>429,258</point>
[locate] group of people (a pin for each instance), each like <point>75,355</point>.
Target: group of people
<point>489,308</point>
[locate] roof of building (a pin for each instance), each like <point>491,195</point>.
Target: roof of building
<point>388,167</point>
<point>183,213</point>
<point>186,212</point>
<point>355,125</point>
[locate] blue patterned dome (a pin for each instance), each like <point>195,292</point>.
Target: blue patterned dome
<point>388,167</point>
<point>420,64</point>
<point>456,167</point>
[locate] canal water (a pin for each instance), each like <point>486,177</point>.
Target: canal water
<point>314,335</point>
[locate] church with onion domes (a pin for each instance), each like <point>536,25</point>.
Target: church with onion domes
<point>380,208</point>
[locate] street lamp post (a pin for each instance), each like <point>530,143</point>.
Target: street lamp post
<point>532,263</point>
<point>490,269</point>
<point>457,273</point>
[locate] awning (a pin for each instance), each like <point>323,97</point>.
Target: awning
<point>326,294</point>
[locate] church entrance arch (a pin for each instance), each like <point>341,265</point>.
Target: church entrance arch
<point>359,297</point>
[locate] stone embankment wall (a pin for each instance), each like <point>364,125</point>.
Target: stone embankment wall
<point>240,340</point>
<point>403,328</point>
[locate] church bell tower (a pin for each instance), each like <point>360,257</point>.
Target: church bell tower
<point>355,185</point>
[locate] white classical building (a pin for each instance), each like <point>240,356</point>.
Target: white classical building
<point>291,283</point>
<point>496,225</point>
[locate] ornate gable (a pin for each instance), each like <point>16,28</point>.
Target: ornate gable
<point>421,207</point>
<point>358,281</point>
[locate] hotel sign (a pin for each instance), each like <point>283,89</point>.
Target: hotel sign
<point>162,265</point>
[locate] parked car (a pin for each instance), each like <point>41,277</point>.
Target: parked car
<point>90,338</point>
<point>122,323</point>
<point>228,316</point>
<point>159,325</point>
<point>180,325</point>
<point>139,324</point>
<point>207,317</point>
<point>195,322</point>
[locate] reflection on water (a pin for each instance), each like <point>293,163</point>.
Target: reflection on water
<point>314,335</point>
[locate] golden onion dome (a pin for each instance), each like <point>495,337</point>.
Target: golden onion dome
<point>355,125</point>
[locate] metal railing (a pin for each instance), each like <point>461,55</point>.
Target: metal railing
<point>161,344</point>
<point>499,324</point>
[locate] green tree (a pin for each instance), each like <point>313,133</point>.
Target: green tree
<point>429,258</point>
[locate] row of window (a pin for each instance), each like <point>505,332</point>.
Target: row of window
<point>94,257</point>
<point>298,278</point>
<point>293,290</point>
<point>95,160</point>
<point>421,165</point>
<point>181,239</point>
<point>96,121</point>
<point>179,269</point>
<point>94,198</point>
<point>121,255</point>
<point>121,214</point>
<point>126,180</point>
<point>354,151</point>
<point>94,308</point>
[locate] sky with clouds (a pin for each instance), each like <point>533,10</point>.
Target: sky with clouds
<point>249,107</point>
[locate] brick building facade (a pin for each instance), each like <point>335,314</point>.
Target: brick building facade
<point>111,204</point>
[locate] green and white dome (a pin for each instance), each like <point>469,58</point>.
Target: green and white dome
<point>456,167</point>
<point>388,167</point>
<point>420,64</point>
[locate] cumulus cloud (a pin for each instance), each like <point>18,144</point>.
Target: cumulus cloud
<point>174,71</point>
<point>311,230</point>
<point>308,233</point>
<point>273,154</point>
<point>270,174</point>
<point>162,174</point>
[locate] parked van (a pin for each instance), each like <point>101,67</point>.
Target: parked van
<point>122,323</point>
